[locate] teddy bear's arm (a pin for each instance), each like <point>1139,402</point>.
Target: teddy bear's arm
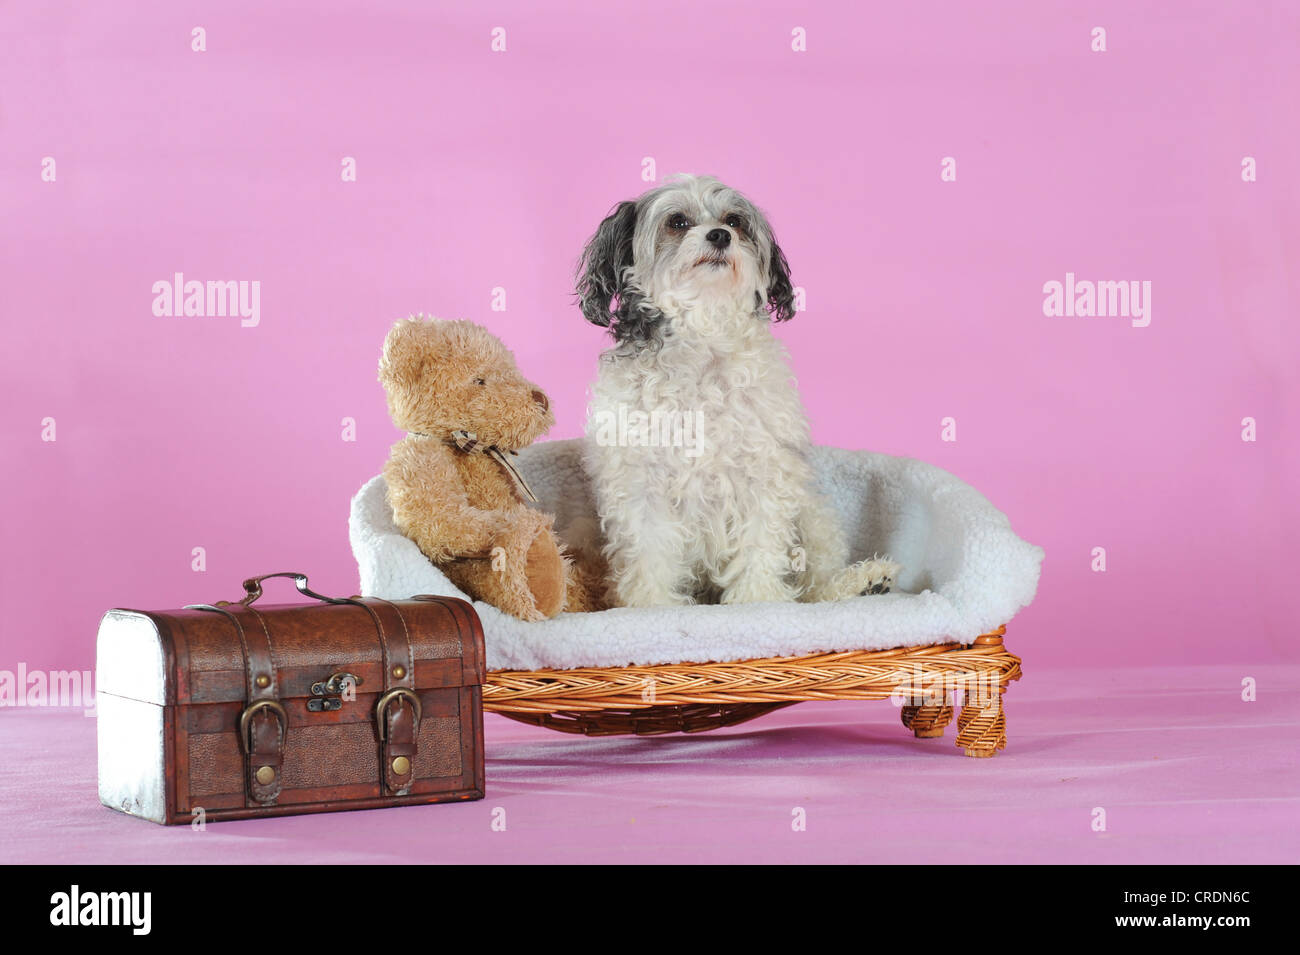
<point>430,506</point>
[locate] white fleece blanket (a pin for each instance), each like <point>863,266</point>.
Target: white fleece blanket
<point>965,572</point>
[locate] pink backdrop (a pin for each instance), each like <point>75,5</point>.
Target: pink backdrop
<point>479,169</point>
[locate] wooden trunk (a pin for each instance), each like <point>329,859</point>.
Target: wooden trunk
<point>231,711</point>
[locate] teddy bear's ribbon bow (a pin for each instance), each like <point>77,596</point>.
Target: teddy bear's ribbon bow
<point>468,442</point>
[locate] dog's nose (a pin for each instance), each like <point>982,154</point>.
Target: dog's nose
<point>719,238</point>
<point>541,400</point>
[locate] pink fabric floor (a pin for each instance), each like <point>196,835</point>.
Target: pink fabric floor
<point>1186,771</point>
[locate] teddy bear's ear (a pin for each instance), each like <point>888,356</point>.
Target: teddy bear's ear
<point>409,345</point>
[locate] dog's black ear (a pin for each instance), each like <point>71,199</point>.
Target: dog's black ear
<point>604,262</point>
<point>780,293</point>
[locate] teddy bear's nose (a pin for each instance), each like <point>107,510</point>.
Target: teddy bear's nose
<point>541,400</point>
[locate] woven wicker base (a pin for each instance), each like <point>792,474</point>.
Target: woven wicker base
<point>696,697</point>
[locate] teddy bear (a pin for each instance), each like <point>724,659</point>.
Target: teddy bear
<point>455,389</point>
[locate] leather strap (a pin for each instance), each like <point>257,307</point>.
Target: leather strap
<point>263,722</point>
<point>397,714</point>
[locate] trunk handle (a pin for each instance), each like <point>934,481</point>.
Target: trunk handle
<point>253,589</point>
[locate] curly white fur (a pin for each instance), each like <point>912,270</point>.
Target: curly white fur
<point>731,513</point>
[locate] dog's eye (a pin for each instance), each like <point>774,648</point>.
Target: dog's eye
<point>677,221</point>
<point>479,381</point>
<point>736,222</point>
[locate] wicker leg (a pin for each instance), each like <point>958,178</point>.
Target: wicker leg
<point>927,720</point>
<point>982,725</point>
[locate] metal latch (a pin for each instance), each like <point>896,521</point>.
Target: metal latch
<point>328,694</point>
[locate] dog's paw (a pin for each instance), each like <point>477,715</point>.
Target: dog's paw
<point>874,576</point>
<point>755,589</point>
<point>878,576</point>
<point>641,590</point>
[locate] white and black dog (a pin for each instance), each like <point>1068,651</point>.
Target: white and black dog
<point>688,278</point>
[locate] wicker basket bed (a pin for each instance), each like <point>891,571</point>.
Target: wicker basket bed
<point>696,697</point>
<point>936,645</point>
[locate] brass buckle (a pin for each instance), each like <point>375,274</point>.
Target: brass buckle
<point>381,708</point>
<point>274,706</point>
